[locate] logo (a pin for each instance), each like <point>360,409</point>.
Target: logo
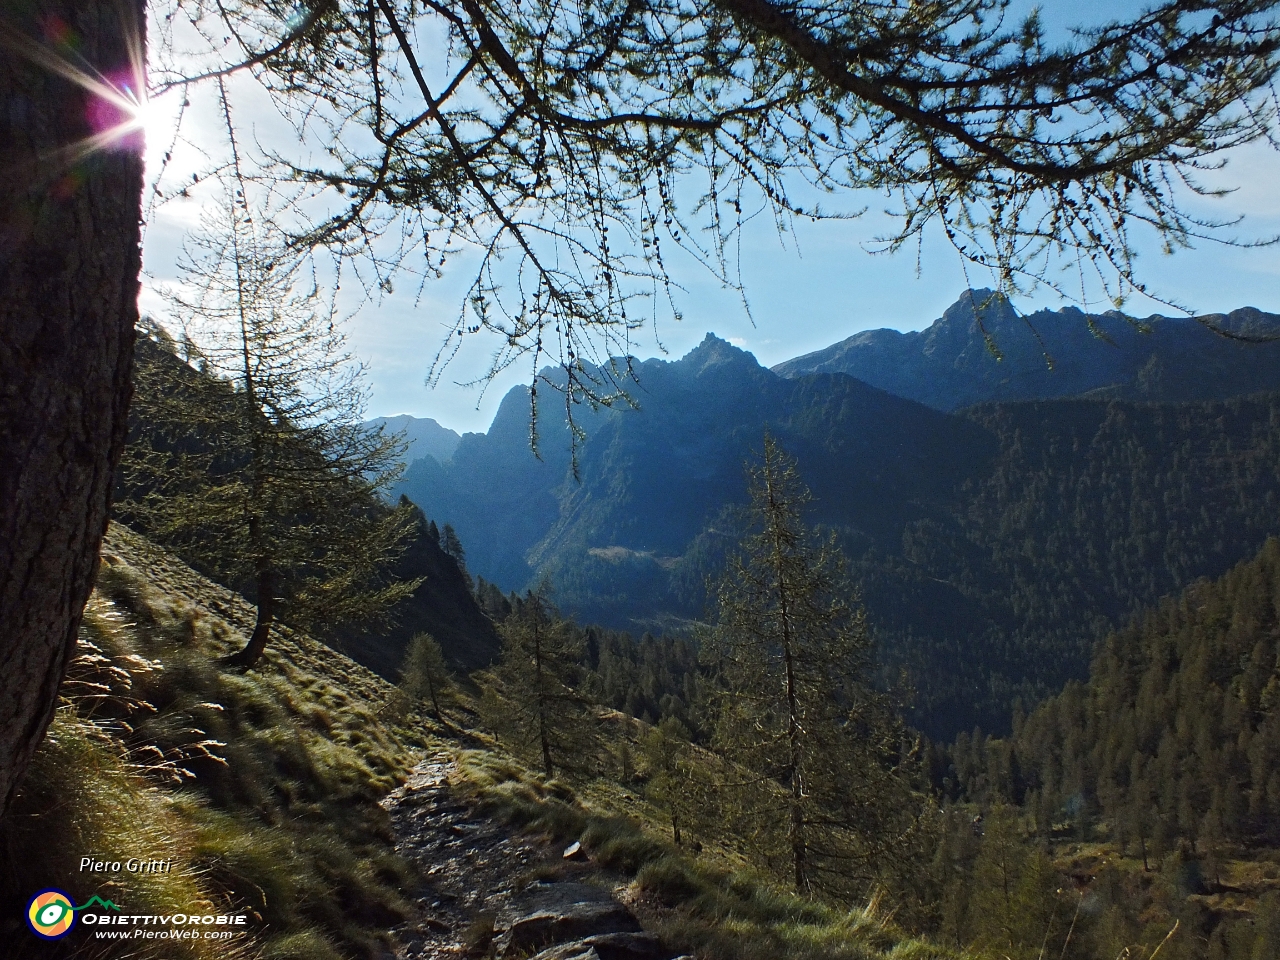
<point>51,914</point>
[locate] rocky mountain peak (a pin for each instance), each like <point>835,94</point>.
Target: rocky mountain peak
<point>714,352</point>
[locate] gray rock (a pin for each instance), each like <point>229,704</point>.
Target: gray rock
<point>559,896</point>
<point>568,951</point>
<point>627,946</point>
<point>608,946</point>
<point>578,922</point>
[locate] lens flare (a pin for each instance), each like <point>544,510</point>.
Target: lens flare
<point>117,116</point>
<point>117,109</point>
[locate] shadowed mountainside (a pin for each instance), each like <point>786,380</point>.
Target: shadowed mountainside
<point>991,549</point>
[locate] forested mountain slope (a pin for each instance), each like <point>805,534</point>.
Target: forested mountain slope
<point>981,350</point>
<point>992,548</point>
<point>1155,782</point>
<point>1091,510</point>
<point>1176,734</point>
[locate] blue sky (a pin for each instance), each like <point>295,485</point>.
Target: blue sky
<point>806,291</point>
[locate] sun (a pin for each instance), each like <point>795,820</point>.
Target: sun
<point>114,110</point>
<point>151,117</point>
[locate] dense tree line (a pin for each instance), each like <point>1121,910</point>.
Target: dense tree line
<point>1168,755</point>
<point>1175,738</point>
<point>998,889</point>
<point>652,678</point>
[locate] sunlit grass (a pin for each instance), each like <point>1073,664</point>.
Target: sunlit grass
<point>706,905</point>
<point>262,786</point>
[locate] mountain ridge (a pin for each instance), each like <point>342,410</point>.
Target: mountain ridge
<point>982,350</point>
<point>991,547</point>
<point>424,436</point>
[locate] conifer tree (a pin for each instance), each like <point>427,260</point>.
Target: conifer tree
<point>1013,901</point>
<point>257,466</point>
<point>451,545</point>
<point>534,704</point>
<point>425,676</point>
<point>673,780</point>
<point>491,600</point>
<point>818,750</point>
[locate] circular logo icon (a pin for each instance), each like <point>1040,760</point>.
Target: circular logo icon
<point>50,914</point>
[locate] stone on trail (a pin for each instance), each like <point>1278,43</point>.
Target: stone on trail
<point>608,946</point>
<point>568,951</point>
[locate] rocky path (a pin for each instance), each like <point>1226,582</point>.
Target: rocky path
<point>493,893</point>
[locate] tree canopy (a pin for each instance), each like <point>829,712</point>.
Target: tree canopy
<point>258,465</point>
<point>558,140</point>
<point>794,706</point>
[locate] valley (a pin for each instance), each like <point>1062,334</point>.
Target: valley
<point>1032,663</point>
<point>992,545</point>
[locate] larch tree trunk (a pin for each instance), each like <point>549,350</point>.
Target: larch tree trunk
<point>249,655</point>
<point>69,263</point>
<point>543,707</point>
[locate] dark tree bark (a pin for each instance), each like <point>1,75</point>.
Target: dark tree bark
<point>249,655</point>
<point>69,262</point>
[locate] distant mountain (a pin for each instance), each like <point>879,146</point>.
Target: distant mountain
<point>425,436</point>
<point>992,549</point>
<point>653,478</point>
<point>1050,354</point>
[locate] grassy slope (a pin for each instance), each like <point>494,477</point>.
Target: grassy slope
<point>263,787</point>
<point>711,904</point>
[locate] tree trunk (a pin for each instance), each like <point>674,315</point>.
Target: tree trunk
<point>543,738</point>
<point>795,828</point>
<point>252,651</point>
<point>435,698</point>
<point>69,265</point>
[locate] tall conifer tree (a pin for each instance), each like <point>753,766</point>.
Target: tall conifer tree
<point>534,704</point>
<point>258,465</point>
<point>795,709</point>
